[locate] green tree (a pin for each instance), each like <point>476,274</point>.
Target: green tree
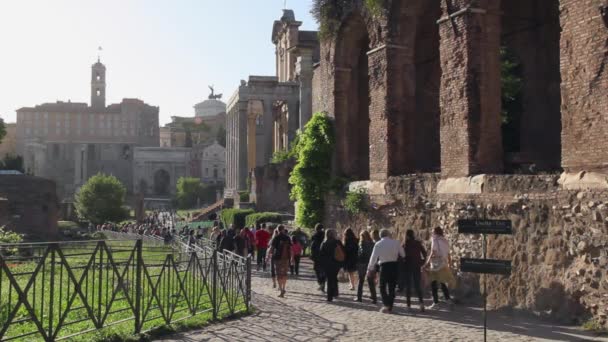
<point>102,199</point>
<point>2,130</point>
<point>191,189</point>
<point>188,190</point>
<point>221,136</point>
<point>311,177</point>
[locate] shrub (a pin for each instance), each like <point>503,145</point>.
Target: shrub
<point>235,217</point>
<point>244,196</point>
<point>355,201</point>
<point>7,236</point>
<point>102,199</point>
<point>311,177</point>
<point>258,218</point>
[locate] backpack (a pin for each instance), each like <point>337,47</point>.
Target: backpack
<point>280,247</point>
<point>339,253</point>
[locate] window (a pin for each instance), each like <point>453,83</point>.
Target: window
<point>98,92</point>
<point>98,77</point>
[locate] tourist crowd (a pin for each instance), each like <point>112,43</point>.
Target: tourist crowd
<point>374,258</point>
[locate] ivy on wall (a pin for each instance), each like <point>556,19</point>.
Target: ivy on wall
<point>330,13</point>
<point>311,177</point>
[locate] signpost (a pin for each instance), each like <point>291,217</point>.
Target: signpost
<point>485,266</point>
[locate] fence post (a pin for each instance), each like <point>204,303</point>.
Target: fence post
<point>138,285</point>
<point>248,284</point>
<point>214,286</point>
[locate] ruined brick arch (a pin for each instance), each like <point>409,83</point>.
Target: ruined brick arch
<point>352,120</point>
<point>413,87</point>
<point>530,30</point>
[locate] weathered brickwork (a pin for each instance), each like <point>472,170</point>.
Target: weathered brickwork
<point>270,188</point>
<point>559,248</point>
<point>584,64</point>
<point>434,87</point>
<point>435,110</point>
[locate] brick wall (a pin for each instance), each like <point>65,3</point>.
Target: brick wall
<point>270,188</point>
<point>584,74</point>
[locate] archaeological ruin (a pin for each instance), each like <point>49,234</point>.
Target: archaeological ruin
<point>265,112</point>
<point>478,109</point>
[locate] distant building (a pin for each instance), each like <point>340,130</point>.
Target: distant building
<point>213,164</point>
<point>202,129</point>
<point>69,142</point>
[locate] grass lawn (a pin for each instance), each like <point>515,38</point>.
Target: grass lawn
<point>82,280</point>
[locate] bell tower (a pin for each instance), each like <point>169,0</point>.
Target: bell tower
<point>98,85</point>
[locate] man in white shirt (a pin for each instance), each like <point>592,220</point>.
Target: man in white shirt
<point>386,253</point>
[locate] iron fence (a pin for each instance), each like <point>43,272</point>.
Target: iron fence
<point>56,291</point>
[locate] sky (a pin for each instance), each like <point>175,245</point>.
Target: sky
<point>165,52</point>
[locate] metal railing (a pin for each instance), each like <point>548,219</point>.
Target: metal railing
<point>55,291</point>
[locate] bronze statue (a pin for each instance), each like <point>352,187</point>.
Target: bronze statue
<point>213,96</point>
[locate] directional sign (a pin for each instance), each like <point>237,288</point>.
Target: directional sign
<point>485,227</point>
<point>486,266</point>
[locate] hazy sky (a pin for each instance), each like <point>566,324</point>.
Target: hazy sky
<point>164,52</point>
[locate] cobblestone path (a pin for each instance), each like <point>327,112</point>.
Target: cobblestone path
<point>304,315</point>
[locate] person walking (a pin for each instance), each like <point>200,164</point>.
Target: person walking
<point>415,257</point>
<point>438,263</point>
<point>332,257</point>
<point>315,256</point>
<point>296,251</point>
<point>366,246</point>
<point>227,243</point>
<point>262,237</point>
<point>273,272</point>
<point>351,249</point>
<point>386,253</point>
<point>281,254</point>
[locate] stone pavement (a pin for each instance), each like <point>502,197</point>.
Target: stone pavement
<point>304,315</point>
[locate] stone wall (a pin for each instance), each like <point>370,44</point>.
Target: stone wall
<point>559,249</point>
<point>32,205</point>
<point>270,188</point>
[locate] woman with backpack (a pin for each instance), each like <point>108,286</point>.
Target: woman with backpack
<point>332,258</point>
<point>281,255</point>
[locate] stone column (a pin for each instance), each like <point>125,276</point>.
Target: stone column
<point>470,96</point>
<point>266,132</point>
<point>292,121</point>
<point>304,71</point>
<point>255,110</point>
<point>242,146</point>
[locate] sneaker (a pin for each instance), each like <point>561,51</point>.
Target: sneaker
<point>357,299</point>
<point>385,310</point>
<point>434,306</point>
